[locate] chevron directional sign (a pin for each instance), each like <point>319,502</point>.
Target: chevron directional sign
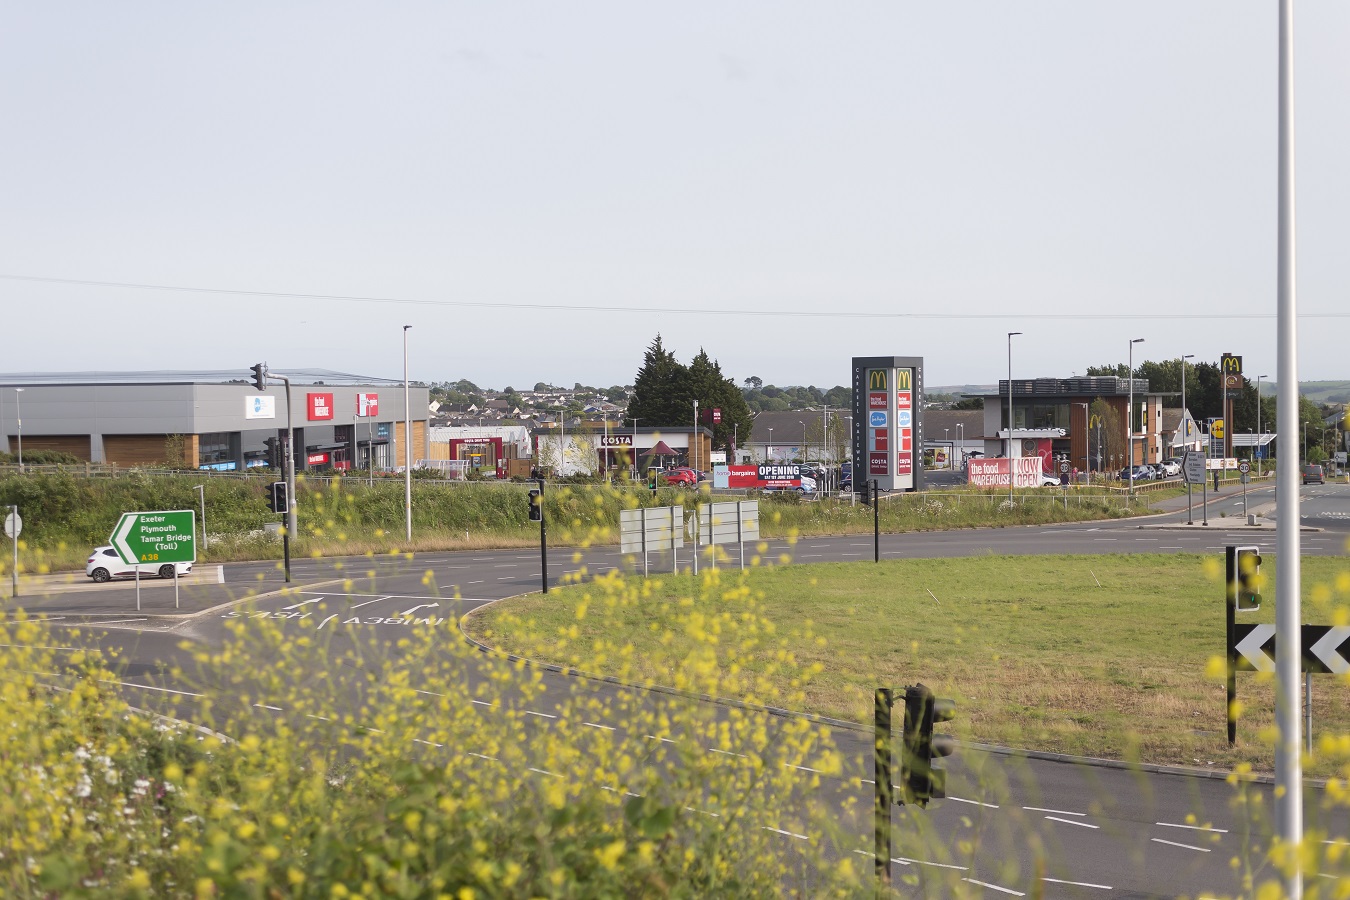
<point>1326,648</point>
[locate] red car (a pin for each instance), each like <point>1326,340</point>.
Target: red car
<point>682,475</point>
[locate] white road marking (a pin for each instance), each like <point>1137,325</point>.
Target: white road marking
<point>810,555</point>
<point>1192,827</point>
<point>975,803</point>
<point>368,602</point>
<point>530,712</point>
<point>479,581</point>
<point>113,622</point>
<point>151,687</point>
<point>804,768</point>
<point>409,612</point>
<point>924,862</point>
<point>791,834</point>
<point>851,554</point>
<point>480,702</point>
<point>303,603</point>
<point>265,706</point>
<point>326,621</point>
<point>1072,822</point>
<point>994,887</point>
<point>652,737</point>
<point>605,787</point>
<point>1058,812</point>
<point>545,772</point>
<point>505,566</point>
<point>504,577</point>
<point>704,812</point>
<point>1175,844</point>
<point>727,752</point>
<point>482,756</point>
<point>605,727</point>
<point>1087,884</point>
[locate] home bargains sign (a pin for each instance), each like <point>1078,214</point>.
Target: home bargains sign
<point>367,405</point>
<point>766,477</point>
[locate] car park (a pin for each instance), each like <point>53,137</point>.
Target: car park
<point>1171,468</point>
<point>1141,473</point>
<point>104,565</point>
<point>1313,475</point>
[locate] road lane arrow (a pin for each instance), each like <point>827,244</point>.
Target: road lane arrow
<point>1328,649</point>
<point>302,603</point>
<point>1252,648</point>
<point>409,612</point>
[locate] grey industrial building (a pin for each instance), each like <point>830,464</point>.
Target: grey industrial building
<point>212,420</point>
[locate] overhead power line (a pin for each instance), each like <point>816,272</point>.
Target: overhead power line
<point>665,310</point>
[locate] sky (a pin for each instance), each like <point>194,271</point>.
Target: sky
<point>539,189</point>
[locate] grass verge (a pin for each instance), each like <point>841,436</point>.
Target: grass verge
<point>1105,656</point>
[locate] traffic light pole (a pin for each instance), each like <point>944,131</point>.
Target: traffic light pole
<point>290,478</point>
<point>543,538</point>
<point>876,521</point>
<point>881,817</point>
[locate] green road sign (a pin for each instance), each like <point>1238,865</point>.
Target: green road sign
<point>156,537</point>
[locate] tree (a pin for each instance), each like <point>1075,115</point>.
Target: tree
<point>661,394</point>
<point>713,390</point>
<point>754,382</point>
<point>969,403</point>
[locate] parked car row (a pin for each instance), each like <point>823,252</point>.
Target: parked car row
<point>1168,468</point>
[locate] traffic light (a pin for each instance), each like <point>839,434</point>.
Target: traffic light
<point>277,498</point>
<point>1248,578</point>
<point>867,493</point>
<point>536,505</point>
<point>920,780</point>
<point>651,480</point>
<point>273,460</point>
<point>260,376</point>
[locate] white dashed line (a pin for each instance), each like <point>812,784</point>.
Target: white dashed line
<point>368,602</point>
<point>545,772</point>
<point>975,803</point>
<point>804,768</point>
<point>994,887</point>
<point>428,743</point>
<point>1086,884</point>
<point>924,862</point>
<point>530,712</point>
<point>1072,822</point>
<point>480,702</point>
<point>1192,827</point>
<point>1175,844</point>
<point>594,725</point>
<point>151,687</point>
<point>727,753</point>
<point>265,706</point>
<point>791,834</point>
<point>652,737</point>
<point>482,756</point>
<point>1058,812</point>
<point>605,787</point>
<point>326,621</point>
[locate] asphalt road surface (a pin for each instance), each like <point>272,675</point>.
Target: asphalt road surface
<point>1034,825</point>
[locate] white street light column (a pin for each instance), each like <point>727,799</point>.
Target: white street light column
<point>1011,335</point>
<point>18,420</point>
<point>1129,418</point>
<point>407,441</point>
<point>1288,540</point>
<point>1185,414</point>
<point>770,453</point>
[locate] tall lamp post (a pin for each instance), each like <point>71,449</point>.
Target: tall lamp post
<point>18,420</point>
<point>1011,335</point>
<point>407,442</point>
<point>1185,414</point>
<point>1130,418</point>
<point>803,451</point>
<point>770,453</point>
<point>1087,440</point>
<point>1260,435</point>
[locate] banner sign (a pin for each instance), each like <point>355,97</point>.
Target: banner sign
<point>765,477</point>
<point>1026,472</point>
<point>320,406</point>
<point>316,459</point>
<point>367,405</point>
<point>260,406</point>
<point>616,440</point>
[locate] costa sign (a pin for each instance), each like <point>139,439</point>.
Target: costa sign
<point>616,440</point>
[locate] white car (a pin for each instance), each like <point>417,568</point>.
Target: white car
<point>1170,468</point>
<point>104,564</point>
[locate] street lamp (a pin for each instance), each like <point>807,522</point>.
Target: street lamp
<point>18,419</point>
<point>1260,435</point>
<point>1130,418</point>
<point>770,452</point>
<point>407,441</point>
<point>1011,335</point>
<point>803,450</point>
<point>961,439</point>
<point>1185,415</point>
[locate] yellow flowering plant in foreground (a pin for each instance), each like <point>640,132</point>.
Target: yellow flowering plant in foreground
<point>311,763</point>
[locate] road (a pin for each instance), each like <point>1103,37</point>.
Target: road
<point>1094,829</point>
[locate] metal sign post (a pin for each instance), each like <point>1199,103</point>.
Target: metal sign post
<point>13,528</point>
<point>882,758</point>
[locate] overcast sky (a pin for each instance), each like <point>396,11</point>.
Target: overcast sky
<point>738,177</point>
